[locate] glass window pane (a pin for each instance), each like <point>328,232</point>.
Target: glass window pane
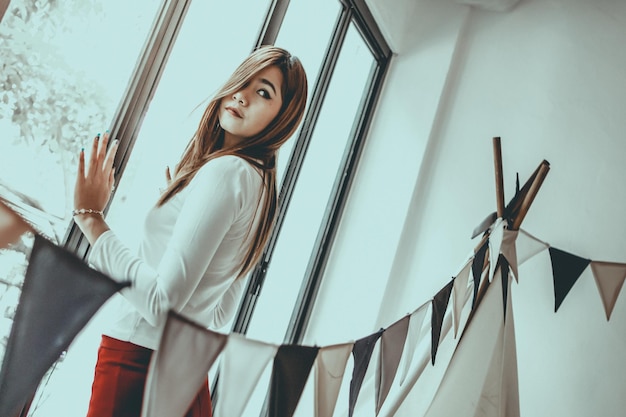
<point>65,65</point>
<point>202,59</point>
<point>311,195</point>
<point>305,32</point>
<point>214,38</point>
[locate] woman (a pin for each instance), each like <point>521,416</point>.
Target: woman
<point>207,230</point>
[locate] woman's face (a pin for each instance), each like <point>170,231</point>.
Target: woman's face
<point>251,109</point>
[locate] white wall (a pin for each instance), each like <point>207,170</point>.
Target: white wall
<point>549,78</point>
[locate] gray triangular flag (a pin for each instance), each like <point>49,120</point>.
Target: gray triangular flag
<point>609,277</point>
<point>179,367</point>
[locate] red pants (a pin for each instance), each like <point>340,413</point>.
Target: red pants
<point>119,381</point>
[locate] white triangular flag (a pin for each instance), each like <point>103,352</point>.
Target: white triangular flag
<point>461,291</point>
<point>242,364</point>
<point>413,337</point>
<point>509,250</point>
<point>528,246</point>
<point>495,242</point>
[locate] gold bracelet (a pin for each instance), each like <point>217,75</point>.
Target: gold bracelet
<point>87,211</point>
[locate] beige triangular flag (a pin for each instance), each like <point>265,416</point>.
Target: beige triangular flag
<point>330,366</point>
<point>609,278</point>
<point>179,367</point>
<point>242,364</point>
<point>414,336</point>
<point>528,246</point>
<point>461,291</point>
<point>509,250</point>
<point>495,242</point>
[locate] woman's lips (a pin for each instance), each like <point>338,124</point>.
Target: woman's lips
<point>234,112</point>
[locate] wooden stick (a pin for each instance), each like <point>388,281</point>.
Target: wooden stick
<point>497,160</point>
<point>532,193</point>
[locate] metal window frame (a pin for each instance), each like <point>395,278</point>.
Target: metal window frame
<point>136,99</point>
<point>353,12</point>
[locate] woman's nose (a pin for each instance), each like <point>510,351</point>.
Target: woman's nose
<point>240,97</point>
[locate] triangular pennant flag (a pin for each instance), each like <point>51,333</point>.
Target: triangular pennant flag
<point>292,366</point>
<point>509,393</point>
<point>609,278</point>
<point>330,367</point>
<point>242,364</point>
<point>391,345</point>
<point>481,294</point>
<point>509,250</point>
<point>479,380</point>
<point>484,225</point>
<point>416,321</point>
<point>12,226</point>
<point>566,268</point>
<point>460,291</point>
<point>528,246</point>
<point>495,242</point>
<point>362,352</point>
<point>59,296</point>
<point>440,304</point>
<point>477,268</point>
<point>179,367</point>
<point>504,272</point>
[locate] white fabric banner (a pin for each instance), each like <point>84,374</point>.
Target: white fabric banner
<point>509,250</point>
<point>414,335</point>
<point>461,292</point>
<point>242,364</point>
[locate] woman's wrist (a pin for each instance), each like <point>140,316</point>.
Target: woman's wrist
<point>91,223</point>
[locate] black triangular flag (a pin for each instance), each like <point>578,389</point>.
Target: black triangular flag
<point>566,268</point>
<point>477,268</point>
<point>362,353</point>
<point>439,304</point>
<point>292,365</point>
<point>59,296</point>
<point>504,271</point>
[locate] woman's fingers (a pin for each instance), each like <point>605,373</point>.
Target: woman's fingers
<point>81,164</point>
<point>110,157</point>
<point>93,157</point>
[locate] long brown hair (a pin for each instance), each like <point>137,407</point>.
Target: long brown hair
<point>260,150</point>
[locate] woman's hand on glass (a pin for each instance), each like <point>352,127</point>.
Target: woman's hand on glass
<point>94,184</point>
<point>93,187</point>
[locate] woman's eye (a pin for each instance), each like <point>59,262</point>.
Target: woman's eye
<point>264,93</point>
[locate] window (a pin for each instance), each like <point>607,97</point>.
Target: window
<point>133,84</point>
<point>194,71</point>
<point>62,75</point>
<point>63,72</point>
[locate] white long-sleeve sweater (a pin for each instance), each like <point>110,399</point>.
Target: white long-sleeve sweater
<point>189,254</point>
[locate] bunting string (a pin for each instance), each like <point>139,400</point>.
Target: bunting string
<point>243,360</point>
